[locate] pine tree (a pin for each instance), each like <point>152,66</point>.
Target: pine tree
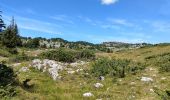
<point>2,25</point>
<point>11,37</point>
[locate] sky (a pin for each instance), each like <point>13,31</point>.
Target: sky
<point>96,21</point>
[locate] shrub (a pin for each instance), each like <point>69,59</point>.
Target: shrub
<point>7,81</point>
<point>115,67</point>
<point>62,55</point>
<point>4,53</point>
<point>101,67</point>
<point>161,60</point>
<point>67,55</point>
<point>136,67</point>
<point>32,43</point>
<point>165,67</point>
<point>20,57</point>
<point>13,50</point>
<point>164,95</point>
<point>86,54</point>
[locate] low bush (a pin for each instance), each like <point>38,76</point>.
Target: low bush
<point>115,67</point>
<point>164,95</point>
<point>86,54</point>
<point>62,55</point>
<point>67,55</point>
<point>12,50</point>
<point>4,53</point>
<point>20,57</point>
<point>8,81</point>
<point>161,60</point>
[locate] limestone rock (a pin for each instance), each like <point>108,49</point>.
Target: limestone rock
<point>98,85</point>
<point>88,94</point>
<point>146,79</point>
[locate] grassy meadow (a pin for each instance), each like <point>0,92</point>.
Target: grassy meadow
<point>72,86</point>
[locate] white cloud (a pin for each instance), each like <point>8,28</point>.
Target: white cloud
<point>62,18</point>
<point>121,22</point>
<point>108,2</point>
<point>161,26</point>
<point>35,25</point>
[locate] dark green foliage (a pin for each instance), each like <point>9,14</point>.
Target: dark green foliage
<point>32,43</point>
<point>115,67</point>
<point>21,57</point>
<point>2,25</point>
<point>101,67</point>
<point>4,52</point>
<point>164,95</point>
<point>68,55</point>
<point>8,81</point>
<point>87,54</point>
<point>12,50</point>
<point>61,54</point>
<point>6,75</point>
<point>10,37</point>
<point>136,67</point>
<point>161,60</point>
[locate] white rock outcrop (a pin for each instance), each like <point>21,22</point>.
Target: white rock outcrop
<point>50,66</point>
<point>54,68</point>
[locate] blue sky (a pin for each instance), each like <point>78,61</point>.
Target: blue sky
<point>94,21</point>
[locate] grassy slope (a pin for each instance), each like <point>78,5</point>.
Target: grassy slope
<point>71,87</point>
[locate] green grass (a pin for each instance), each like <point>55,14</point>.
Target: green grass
<point>72,87</point>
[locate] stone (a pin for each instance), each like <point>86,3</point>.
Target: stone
<point>70,72</point>
<point>101,78</point>
<point>146,79</point>
<point>98,85</point>
<point>78,70</point>
<point>151,90</point>
<point>88,94</point>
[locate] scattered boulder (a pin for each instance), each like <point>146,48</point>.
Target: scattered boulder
<point>146,79</point>
<point>88,94</point>
<point>98,85</point>
<point>101,78</point>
